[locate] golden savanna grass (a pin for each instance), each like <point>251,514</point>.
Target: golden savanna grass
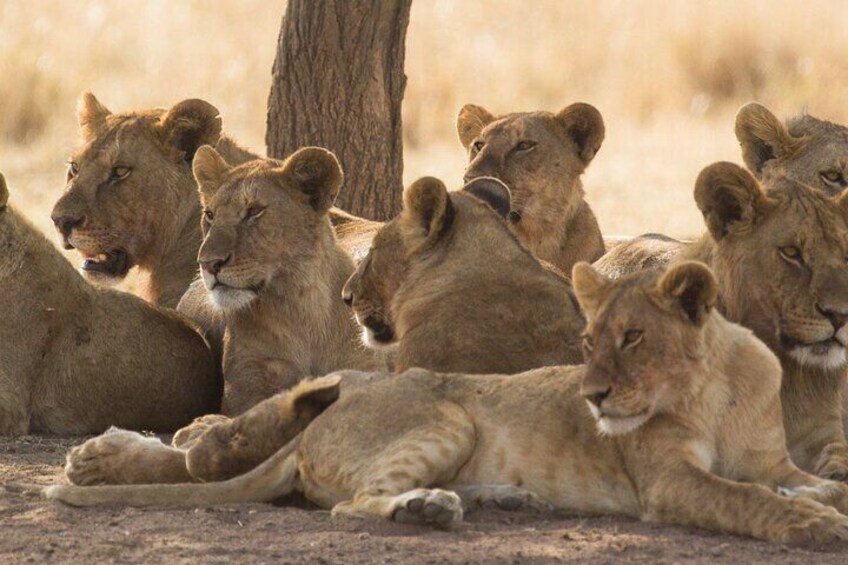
<point>667,76</point>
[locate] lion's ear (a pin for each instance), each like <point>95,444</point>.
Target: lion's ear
<point>4,192</point>
<point>91,115</point>
<point>590,287</point>
<point>209,169</point>
<point>189,125</point>
<point>491,191</point>
<point>729,198</point>
<point>762,136</point>
<point>316,395</point>
<point>470,122</point>
<point>585,126</point>
<point>316,173</point>
<point>692,287</point>
<point>427,210</point>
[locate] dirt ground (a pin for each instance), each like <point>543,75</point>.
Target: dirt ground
<point>34,530</point>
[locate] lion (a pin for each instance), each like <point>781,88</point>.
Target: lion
<point>675,418</point>
<point>806,149</point>
<point>273,271</point>
<point>130,199</point>
<point>779,255</point>
<point>446,286</point>
<point>75,359</point>
<point>540,156</point>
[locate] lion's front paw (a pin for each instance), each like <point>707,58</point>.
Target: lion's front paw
<point>832,462</point>
<point>824,526</point>
<point>503,497</point>
<point>114,458</point>
<point>187,436</point>
<point>428,506</point>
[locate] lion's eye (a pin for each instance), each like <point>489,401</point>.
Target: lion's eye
<point>525,145</point>
<point>120,173</point>
<point>208,215</point>
<point>478,145</point>
<point>588,344</point>
<point>790,253</point>
<point>834,178</point>
<point>73,169</point>
<point>254,212</point>
<point>632,338</point>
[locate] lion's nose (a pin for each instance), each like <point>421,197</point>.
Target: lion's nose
<point>214,266</point>
<point>65,224</point>
<point>837,318</point>
<point>597,397</point>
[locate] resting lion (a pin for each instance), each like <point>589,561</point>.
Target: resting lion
<point>273,271</point>
<point>779,255</point>
<point>75,359</point>
<point>541,157</point>
<point>130,199</point>
<point>675,419</point>
<point>449,288</point>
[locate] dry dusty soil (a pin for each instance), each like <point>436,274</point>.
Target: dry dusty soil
<point>34,530</point>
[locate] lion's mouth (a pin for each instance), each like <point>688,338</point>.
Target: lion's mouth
<point>821,348</point>
<point>112,263</point>
<point>380,331</point>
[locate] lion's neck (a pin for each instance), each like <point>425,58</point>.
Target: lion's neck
<point>172,271</point>
<point>562,234</point>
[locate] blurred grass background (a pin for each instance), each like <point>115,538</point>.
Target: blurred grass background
<point>668,77</point>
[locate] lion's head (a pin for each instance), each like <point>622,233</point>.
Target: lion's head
<point>427,214</point>
<point>644,341</point>
<point>131,174</point>
<point>807,150</point>
<point>780,257</point>
<point>261,219</point>
<point>538,155</point>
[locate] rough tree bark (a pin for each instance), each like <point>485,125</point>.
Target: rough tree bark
<point>338,82</point>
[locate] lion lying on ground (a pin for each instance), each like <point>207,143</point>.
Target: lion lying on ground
<point>779,256</point>
<point>273,272</point>
<point>449,288</point>
<point>686,403</point>
<point>75,359</point>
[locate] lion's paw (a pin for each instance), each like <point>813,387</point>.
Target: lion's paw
<point>832,462</point>
<point>433,507</point>
<point>825,526</point>
<point>188,436</point>
<point>109,459</point>
<point>503,497</point>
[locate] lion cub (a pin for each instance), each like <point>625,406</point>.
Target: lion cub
<point>75,359</point>
<point>675,418</point>
<point>449,288</point>
<point>273,270</point>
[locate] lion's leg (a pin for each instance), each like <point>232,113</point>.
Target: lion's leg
<point>687,495</point>
<point>425,457</point>
<point>14,408</point>
<point>121,457</point>
<point>503,497</point>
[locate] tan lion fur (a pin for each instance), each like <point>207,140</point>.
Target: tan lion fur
<point>281,275</point>
<point>75,359</point>
<point>779,298</point>
<point>449,288</point>
<point>689,404</point>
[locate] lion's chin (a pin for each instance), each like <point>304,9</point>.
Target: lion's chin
<point>232,299</point>
<point>829,355</point>
<point>370,341</point>
<point>618,425</point>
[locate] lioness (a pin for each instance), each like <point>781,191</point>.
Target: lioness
<point>687,405</point>
<point>540,156</point>
<point>130,199</point>
<point>449,287</point>
<point>807,149</point>
<point>779,256</point>
<point>273,270</point>
<point>75,359</point>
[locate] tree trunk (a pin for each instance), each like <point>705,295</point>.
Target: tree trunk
<point>338,83</point>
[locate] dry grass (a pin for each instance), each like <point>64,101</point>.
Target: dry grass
<point>668,77</point>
